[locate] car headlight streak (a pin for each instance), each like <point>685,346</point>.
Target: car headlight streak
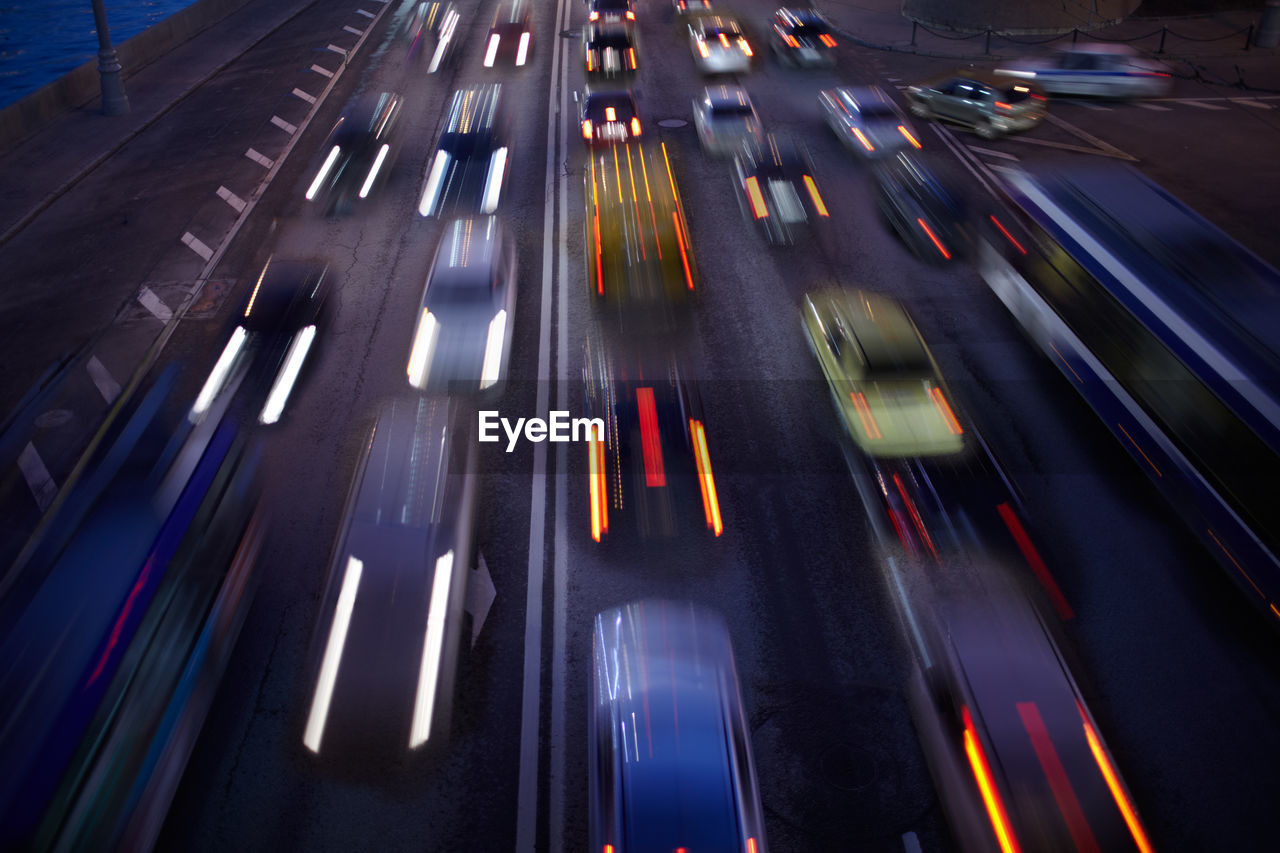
<point>323,173</point>
<point>287,376</point>
<point>492,366</point>
<point>492,50</point>
<point>493,183</point>
<point>218,376</point>
<point>432,647</point>
<point>332,655</point>
<point>373,172</point>
<point>424,346</point>
<point>431,193</point>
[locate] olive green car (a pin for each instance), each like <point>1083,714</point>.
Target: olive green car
<point>883,379</point>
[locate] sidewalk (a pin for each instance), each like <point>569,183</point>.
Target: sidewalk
<point>1210,48</point>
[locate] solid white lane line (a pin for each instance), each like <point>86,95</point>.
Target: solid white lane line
<point>1155,107</point>
<point>1204,105</point>
<point>1251,102</point>
<point>107,386</point>
<point>298,93</point>
<point>260,159</point>
<point>196,245</point>
<point>290,129</point>
<point>323,72</point>
<point>232,199</point>
<point>989,153</point>
<point>1104,147</point>
<point>43,489</point>
<point>152,302</point>
<point>530,713</point>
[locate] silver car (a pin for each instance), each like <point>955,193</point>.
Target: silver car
<point>725,119</point>
<point>719,45</point>
<point>991,104</point>
<point>462,341</point>
<point>867,121</point>
<point>1105,70</point>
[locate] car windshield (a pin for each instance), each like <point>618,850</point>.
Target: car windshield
<point>611,5</point>
<point>713,33</point>
<point>729,111</point>
<point>603,40</point>
<point>465,145</point>
<point>812,31</point>
<point>878,111</point>
<point>596,106</point>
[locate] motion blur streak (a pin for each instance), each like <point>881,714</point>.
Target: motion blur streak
<point>813,193</point>
<point>1113,782</point>
<point>940,400</point>
<point>219,374</point>
<point>429,195</point>
<point>914,512</point>
<point>432,643</point>
<point>990,797</point>
<point>866,143</point>
<point>1008,236</point>
<point>373,172</point>
<point>752,847</point>
<point>1032,556</point>
<point>654,475</point>
<point>915,143</point>
<point>288,376</point>
<point>1068,804</point>
<point>936,242</point>
<point>710,503</point>
<point>492,51</point>
<point>684,257</point>
<point>828,40</point>
<point>523,52</point>
<point>599,504</point>
<point>424,346</point>
<point>333,655</point>
<point>320,176</point>
<point>1138,447</point>
<point>138,585</point>
<point>1236,563</point>
<point>869,425</point>
<point>490,369</point>
<point>758,208</point>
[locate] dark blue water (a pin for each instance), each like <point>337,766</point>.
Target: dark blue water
<point>41,40</point>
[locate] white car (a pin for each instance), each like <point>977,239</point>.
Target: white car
<point>725,119</point>
<point>1106,70</point>
<point>719,46</point>
<point>867,121</point>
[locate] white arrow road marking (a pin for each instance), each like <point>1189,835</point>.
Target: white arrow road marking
<point>37,476</point>
<point>480,596</point>
<point>107,385</point>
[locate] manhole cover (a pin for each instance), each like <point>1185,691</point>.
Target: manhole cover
<point>672,122</point>
<point>53,418</point>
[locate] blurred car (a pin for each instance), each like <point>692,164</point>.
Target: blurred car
<point>802,38</point>
<point>469,168</point>
<point>650,471</point>
<point>609,49</point>
<point>990,104</point>
<point>691,7</point>
<point>927,214</point>
<point>719,45</point>
<point>776,187</point>
<point>273,336</point>
<point>509,34</point>
<point>1107,70</point>
<point>433,35</point>
<point>867,121</point>
<point>1017,758</point>
<point>360,152</point>
<point>610,10</point>
<point>390,625</point>
<point>883,380</point>
<point>640,265</point>
<point>664,687</point>
<point>462,341</point>
<point>609,117</point>
<point>725,119</point>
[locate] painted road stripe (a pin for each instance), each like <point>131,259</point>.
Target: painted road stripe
<point>290,129</point>
<point>196,245</point>
<point>1089,105</point>
<point>108,387</point>
<point>153,304</point>
<point>323,72</point>
<point>260,159</point>
<point>1155,107</point>
<point>1103,147</point>
<point>232,199</point>
<point>336,49</point>
<point>354,31</point>
<point>989,153</point>
<point>310,99</point>
<point>365,13</point>
<point>1250,102</point>
<point>37,476</point>
<point>1204,105</point>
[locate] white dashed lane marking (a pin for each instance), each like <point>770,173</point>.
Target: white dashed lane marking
<point>232,199</point>
<point>365,13</point>
<point>43,489</point>
<point>260,159</point>
<point>108,387</point>
<point>1204,105</point>
<point>354,31</point>
<point>336,49</point>
<point>196,245</point>
<point>323,72</point>
<point>298,93</point>
<point>1155,107</point>
<point>152,302</point>
<point>1250,102</point>
<point>290,129</point>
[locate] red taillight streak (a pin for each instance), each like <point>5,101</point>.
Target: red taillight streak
<point>1003,107</point>
<point>915,515</point>
<point>1063,793</point>
<point>595,218</point>
<point>631,55</point>
<point>986,786</point>
<point>1007,235</point>
<point>724,39</point>
<point>684,257</point>
<point>635,126</point>
<point>119,625</point>
<point>752,847</point>
<point>866,143</point>
<point>1114,784</point>
<point>915,143</point>
<point>828,40</point>
<point>936,242</point>
<point>654,476</point>
<point>1032,556</point>
<point>591,60</point>
<point>869,425</point>
<point>758,207</point>
<point>706,480</point>
<point>940,400</point>
<point>599,499</point>
<point>900,528</point>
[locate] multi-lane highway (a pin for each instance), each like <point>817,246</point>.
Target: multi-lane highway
<point>1181,674</point>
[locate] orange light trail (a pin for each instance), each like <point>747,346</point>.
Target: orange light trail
<point>986,786</point>
<point>934,238</point>
<point>707,481</point>
<point>1117,788</point>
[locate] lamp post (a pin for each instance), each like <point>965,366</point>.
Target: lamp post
<point>114,100</point>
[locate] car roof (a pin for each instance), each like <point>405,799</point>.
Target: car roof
<point>988,78</point>
<point>777,154</point>
<point>286,291</point>
<point>610,31</point>
<point>466,255</point>
<point>800,17</point>
<point>880,327</point>
<point>727,95</point>
<point>474,109</point>
<point>614,98</point>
